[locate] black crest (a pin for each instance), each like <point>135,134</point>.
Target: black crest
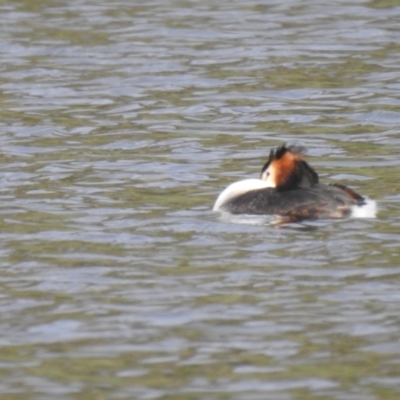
<point>274,155</point>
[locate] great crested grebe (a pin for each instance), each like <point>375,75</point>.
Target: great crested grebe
<point>290,188</point>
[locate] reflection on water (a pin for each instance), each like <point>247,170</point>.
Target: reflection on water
<point>120,124</point>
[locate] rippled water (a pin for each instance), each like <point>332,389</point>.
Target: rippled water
<point>120,123</point>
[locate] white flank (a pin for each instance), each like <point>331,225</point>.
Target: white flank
<point>238,188</point>
<point>368,210</point>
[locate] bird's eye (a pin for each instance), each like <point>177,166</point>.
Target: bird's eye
<point>267,174</point>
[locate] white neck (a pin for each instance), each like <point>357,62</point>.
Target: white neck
<point>238,188</point>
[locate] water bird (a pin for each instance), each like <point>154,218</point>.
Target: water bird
<point>289,187</point>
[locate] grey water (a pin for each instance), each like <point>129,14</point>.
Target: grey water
<point>120,123</point>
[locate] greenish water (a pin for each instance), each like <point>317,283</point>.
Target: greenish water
<point>120,122</point>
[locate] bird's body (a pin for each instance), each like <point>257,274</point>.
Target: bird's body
<point>290,188</point>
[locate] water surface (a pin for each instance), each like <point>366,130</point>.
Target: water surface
<point>120,124</point>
